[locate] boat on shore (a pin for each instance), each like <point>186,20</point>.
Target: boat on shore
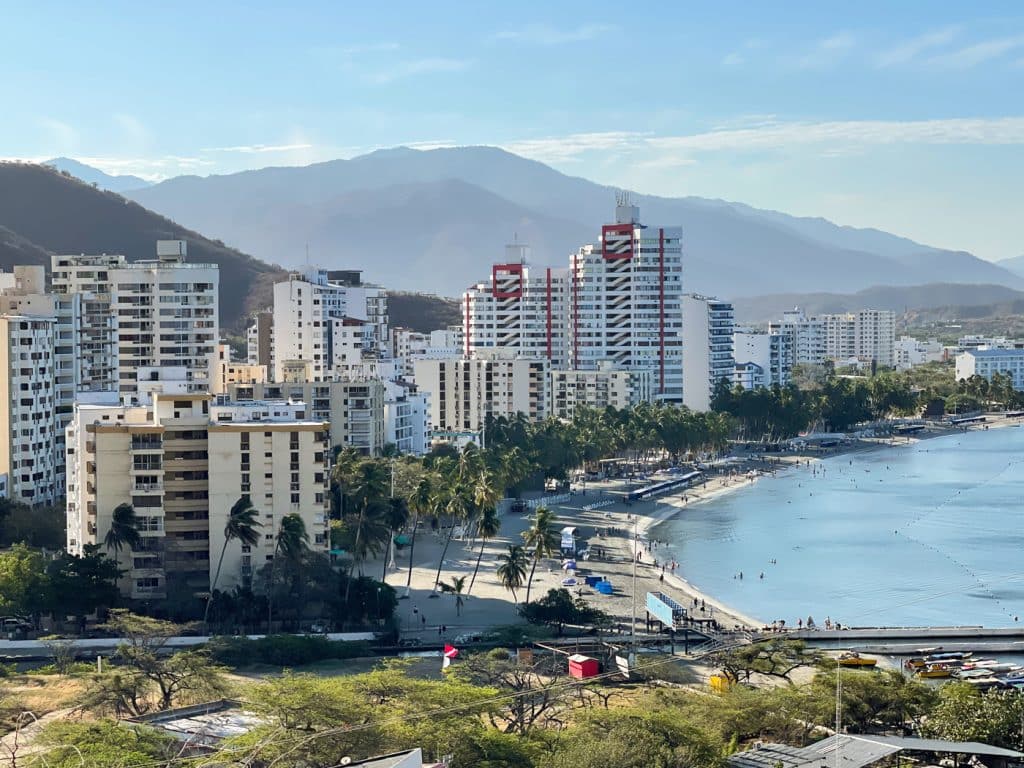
<point>856,661</point>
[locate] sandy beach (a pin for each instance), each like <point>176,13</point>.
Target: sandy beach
<point>428,615</point>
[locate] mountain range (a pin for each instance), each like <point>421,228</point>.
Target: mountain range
<point>90,175</point>
<point>44,212</point>
<point>435,220</point>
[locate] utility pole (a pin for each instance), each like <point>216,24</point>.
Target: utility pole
<point>391,541</point>
<point>636,553</point>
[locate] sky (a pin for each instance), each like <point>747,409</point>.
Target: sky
<point>907,116</point>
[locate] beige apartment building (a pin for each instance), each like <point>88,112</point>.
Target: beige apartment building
<point>464,392</point>
<point>182,462</point>
<point>602,388</point>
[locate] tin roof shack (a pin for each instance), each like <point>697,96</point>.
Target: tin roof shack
<point>860,751</point>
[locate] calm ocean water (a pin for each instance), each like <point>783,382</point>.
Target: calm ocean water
<point>928,534</point>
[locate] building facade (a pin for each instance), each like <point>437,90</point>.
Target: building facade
<point>707,348</point>
<point>28,400</point>
<point>625,301</point>
<point>181,462</point>
<point>806,336</point>
<point>910,352</point>
<point>259,338</point>
<point>311,306</point>
<point>762,359</point>
<point>605,387</point>
<point>522,310</point>
<point>987,362</point>
<point>353,409</point>
<point>464,392</point>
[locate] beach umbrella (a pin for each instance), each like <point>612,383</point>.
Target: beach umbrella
<point>569,565</point>
<point>569,582</point>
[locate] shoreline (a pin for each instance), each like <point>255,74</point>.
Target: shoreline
<point>600,507</point>
<point>789,462</point>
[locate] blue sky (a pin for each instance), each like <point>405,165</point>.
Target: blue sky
<point>905,116</point>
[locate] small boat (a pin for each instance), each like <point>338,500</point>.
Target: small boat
<point>935,671</point>
<point>856,660</point>
<point>979,664</point>
<point>972,674</point>
<point>949,656</point>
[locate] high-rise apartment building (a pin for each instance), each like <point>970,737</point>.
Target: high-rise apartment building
<point>28,399</point>
<point>312,311</point>
<point>408,345</point>
<point>521,309</point>
<point>806,336</point>
<point>707,348</point>
<point>625,301</point>
<point>182,461</point>
<point>143,314</point>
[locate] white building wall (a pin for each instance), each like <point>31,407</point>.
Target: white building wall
<point>707,343</point>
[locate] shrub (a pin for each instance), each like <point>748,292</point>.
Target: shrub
<point>283,650</point>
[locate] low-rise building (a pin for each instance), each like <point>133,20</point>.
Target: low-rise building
<point>602,388</point>
<point>463,393</point>
<point>354,409</point>
<point>987,362</point>
<point>762,359</point>
<point>231,372</point>
<point>181,461</point>
<point>909,352</point>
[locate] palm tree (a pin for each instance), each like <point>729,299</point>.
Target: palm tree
<point>542,538</point>
<point>487,528</point>
<point>455,588</point>
<point>420,503</point>
<point>292,541</point>
<point>459,506</point>
<point>396,516</point>
<point>241,525</point>
<point>124,530</point>
<point>512,569</point>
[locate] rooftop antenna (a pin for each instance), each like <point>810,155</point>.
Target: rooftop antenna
<point>307,254</point>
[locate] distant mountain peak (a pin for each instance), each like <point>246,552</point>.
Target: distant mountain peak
<point>90,175</point>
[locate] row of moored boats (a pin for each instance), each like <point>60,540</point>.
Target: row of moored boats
<point>962,665</point>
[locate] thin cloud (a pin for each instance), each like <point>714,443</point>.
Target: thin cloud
<point>732,60</point>
<point>828,139</point>
<point>908,50</point>
<point>426,66</point>
<point>544,34</point>
<point>828,51</point>
<point>251,149</point>
<point>978,53</point>
<point>988,131</point>
<point>569,148</point>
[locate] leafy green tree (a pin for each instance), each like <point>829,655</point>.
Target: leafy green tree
<point>148,676</point>
<point>558,608</point>
<point>774,657</point>
<point>23,582</point>
<point>123,532</point>
<point>964,713</point>
<point>71,744</point>
<point>512,568</point>
<point>240,526</point>
<point>78,586</point>
<point>541,539</point>
<point>39,527</point>
<point>631,737</point>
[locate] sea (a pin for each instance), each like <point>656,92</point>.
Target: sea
<point>925,534</point>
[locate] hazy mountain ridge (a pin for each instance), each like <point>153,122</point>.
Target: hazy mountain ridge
<point>90,175</point>
<point>43,211</point>
<point>954,299</point>
<point>731,249</point>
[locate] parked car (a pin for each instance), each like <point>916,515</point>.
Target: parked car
<point>467,638</point>
<point>410,642</point>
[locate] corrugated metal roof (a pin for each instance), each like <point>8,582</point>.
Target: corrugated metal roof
<point>857,751</point>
